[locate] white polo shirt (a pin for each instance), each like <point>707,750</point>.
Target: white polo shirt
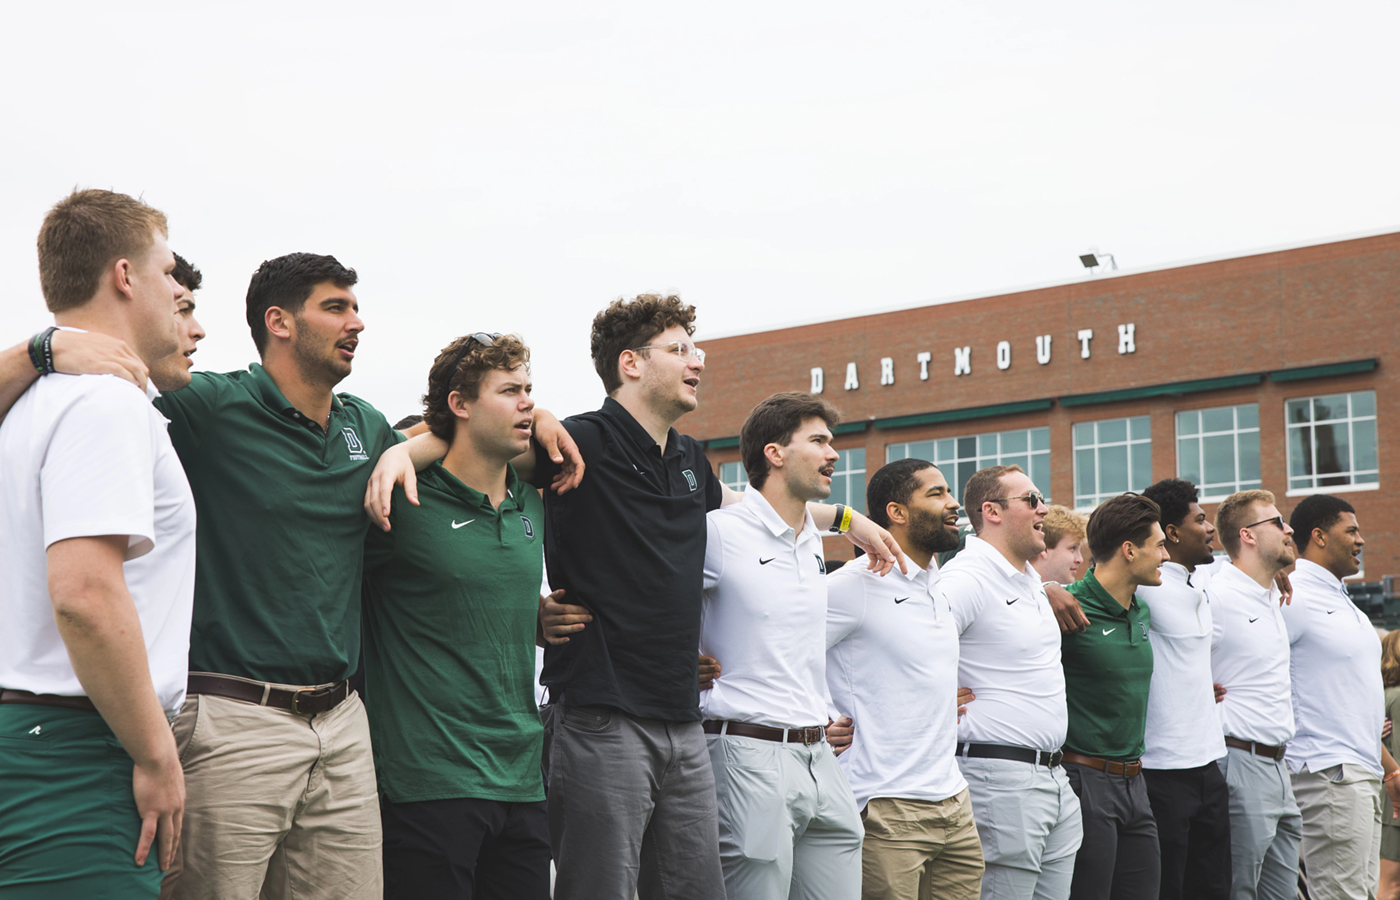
<point>1008,651</point>
<point>85,456</point>
<point>892,666</point>
<point>1335,662</point>
<point>1249,656</point>
<point>1183,729</point>
<point>763,616</point>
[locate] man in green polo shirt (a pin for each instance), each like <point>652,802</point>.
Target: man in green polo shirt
<point>451,600</point>
<point>1108,669</point>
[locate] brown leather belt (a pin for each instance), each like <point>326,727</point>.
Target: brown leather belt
<point>812,734</point>
<point>1107,766</point>
<point>1258,749</point>
<point>307,701</point>
<point>83,703</point>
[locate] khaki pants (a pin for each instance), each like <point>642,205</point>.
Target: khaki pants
<point>278,804</point>
<point>921,849</point>
<point>1341,831</point>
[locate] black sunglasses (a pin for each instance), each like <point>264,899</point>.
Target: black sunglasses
<point>1035,498</point>
<point>1277,520</point>
<point>480,337</point>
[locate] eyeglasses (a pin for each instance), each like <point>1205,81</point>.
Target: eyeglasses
<point>480,337</point>
<point>1035,498</point>
<point>683,349</point>
<point>1277,520</point>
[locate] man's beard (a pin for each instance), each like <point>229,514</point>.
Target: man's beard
<point>928,533</point>
<point>314,366</point>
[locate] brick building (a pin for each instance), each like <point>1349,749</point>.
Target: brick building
<point>1280,370</point>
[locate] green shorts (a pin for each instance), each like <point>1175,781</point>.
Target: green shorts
<point>68,821</point>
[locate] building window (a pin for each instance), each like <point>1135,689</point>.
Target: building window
<point>1218,449</point>
<point>1332,441</point>
<point>848,481</point>
<point>1111,456</point>
<point>733,476</point>
<point>959,457</point>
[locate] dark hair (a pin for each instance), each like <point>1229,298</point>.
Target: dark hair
<point>460,367</point>
<point>629,324</point>
<point>984,485</point>
<point>82,235</point>
<point>893,483</point>
<point>1174,496</point>
<point>286,282</point>
<point>407,422</point>
<point>1127,517</point>
<point>775,421</point>
<point>189,277</point>
<point>1316,511</point>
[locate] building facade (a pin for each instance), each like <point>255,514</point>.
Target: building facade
<point>1278,370</point>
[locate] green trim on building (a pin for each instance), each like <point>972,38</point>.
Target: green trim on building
<point>1342,368</point>
<point>958,415</point>
<point>851,427</point>
<point>721,443</point>
<point>1161,390</point>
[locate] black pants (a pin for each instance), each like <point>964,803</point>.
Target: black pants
<point>1192,808</point>
<point>1119,859</point>
<point>465,849</point>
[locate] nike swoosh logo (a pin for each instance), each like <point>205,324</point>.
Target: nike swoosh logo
<point>899,600</point>
<point>764,562</point>
<point>456,524</point>
<point>1012,600</point>
<point>1255,619</point>
<point>1108,631</point>
<point>1330,611</point>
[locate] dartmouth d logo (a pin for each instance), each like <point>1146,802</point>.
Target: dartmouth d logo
<point>690,478</point>
<point>529,526</point>
<point>352,441</point>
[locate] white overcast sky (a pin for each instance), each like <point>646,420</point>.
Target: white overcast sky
<point>503,168</point>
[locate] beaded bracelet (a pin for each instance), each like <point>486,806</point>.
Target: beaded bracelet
<point>41,351</point>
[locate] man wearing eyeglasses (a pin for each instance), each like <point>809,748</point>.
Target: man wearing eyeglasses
<point>1027,814</point>
<point>1249,656</point>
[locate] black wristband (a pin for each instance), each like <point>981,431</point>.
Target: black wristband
<point>836,523</point>
<point>41,351</point>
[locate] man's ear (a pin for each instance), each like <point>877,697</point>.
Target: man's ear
<point>897,513</point>
<point>774,454</point>
<point>120,273</point>
<point>278,322</point>
<point>459,405</point>
<point>1173,534</point>
<point>628,365</point>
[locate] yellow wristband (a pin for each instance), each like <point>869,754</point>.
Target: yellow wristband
<point>845,525</point>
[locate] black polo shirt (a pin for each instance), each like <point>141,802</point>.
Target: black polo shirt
<point>629,544</point>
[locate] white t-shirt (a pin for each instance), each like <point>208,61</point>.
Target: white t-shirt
<point>1183,729</point>
<point>763,616</point>
<point>85,456</point>
<point>1008,652</point>
<point>1249,656</point>
<point>1335,662</point>
<point>892,666</point>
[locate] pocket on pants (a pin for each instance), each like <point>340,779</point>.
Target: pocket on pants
<point>591,719</point>
<point>185,725</point>
<point>753,815</point>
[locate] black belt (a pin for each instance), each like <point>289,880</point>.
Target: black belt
<point>307,701</point>
<point>1018,754</point>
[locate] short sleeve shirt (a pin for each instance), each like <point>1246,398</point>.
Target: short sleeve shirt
<point>629,544</point>
<point>281,526</point>
<point>451,600</point>
<point>1108,670</point>
<point>1249,656</point>
<point>88,456</point>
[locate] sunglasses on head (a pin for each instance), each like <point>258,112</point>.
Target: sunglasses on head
<point>480,337</point>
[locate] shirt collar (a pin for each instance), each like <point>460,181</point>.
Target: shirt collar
<point>764,511</point>
<point>639,435</point>
<point>987,552</point>
<point>1104,599</point>
<point>1240,583</point>
<point>1176,574</point>
<point>1308,570</point>
<point>272,396</point>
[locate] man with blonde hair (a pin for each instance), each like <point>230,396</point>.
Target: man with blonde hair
<point>97,544</point>
<point>1249,656</point>
<point>1064,531</point>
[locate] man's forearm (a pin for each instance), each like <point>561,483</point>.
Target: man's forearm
<point>17,373</point>
<point>425,449</point>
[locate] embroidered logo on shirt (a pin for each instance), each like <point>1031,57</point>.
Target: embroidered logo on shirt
<point>690,478</point>
<point>36,729</point>
<point>1330,611</point>
<point>1255,619</point>
<point>529,526</point>
<point>456,524</point>
<point>821,563</point>
<point>352,441</point>
<point>1012,600</point>
<point>1108,631</point>
<point>764,562</point>
<point>1143,626</point>
<point>899,600</point>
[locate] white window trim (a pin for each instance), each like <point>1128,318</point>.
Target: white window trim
<point>1236,432</point>
<point>1350,420</point>
<point>1333,489</point>
<point>1129,443</point>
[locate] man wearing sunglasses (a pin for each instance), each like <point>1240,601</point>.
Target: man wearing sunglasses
<point>1009,740</point>
<point>1249,656</point>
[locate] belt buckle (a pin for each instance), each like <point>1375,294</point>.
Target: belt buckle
<point>310,694</point>
<point>812,734</point>
<point>1056,757</point>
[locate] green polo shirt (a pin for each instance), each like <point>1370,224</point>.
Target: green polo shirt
<point>1107,672</point>
<point>451,596</point>
<point>281,530</point>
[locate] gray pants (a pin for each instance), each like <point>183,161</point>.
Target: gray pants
<point>1265,827</point>
<point>631,807</point>
<point>1342,812</point>
<point>1120,858</point>
<point>1029,821</point>
<point>788,823</point>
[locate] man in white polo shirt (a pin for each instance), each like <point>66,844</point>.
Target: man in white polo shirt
<point>1183,741</point>
<point>97,550</point>
<point>1336,758</point>
<point>1249,656</point>
<point>788,825</point>
<point>892,665</point>
<point>1009,656</point>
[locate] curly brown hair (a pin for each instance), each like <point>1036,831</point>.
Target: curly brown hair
<point>629,324</point>
<point>1390,658</point>
<point>460,367</point>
